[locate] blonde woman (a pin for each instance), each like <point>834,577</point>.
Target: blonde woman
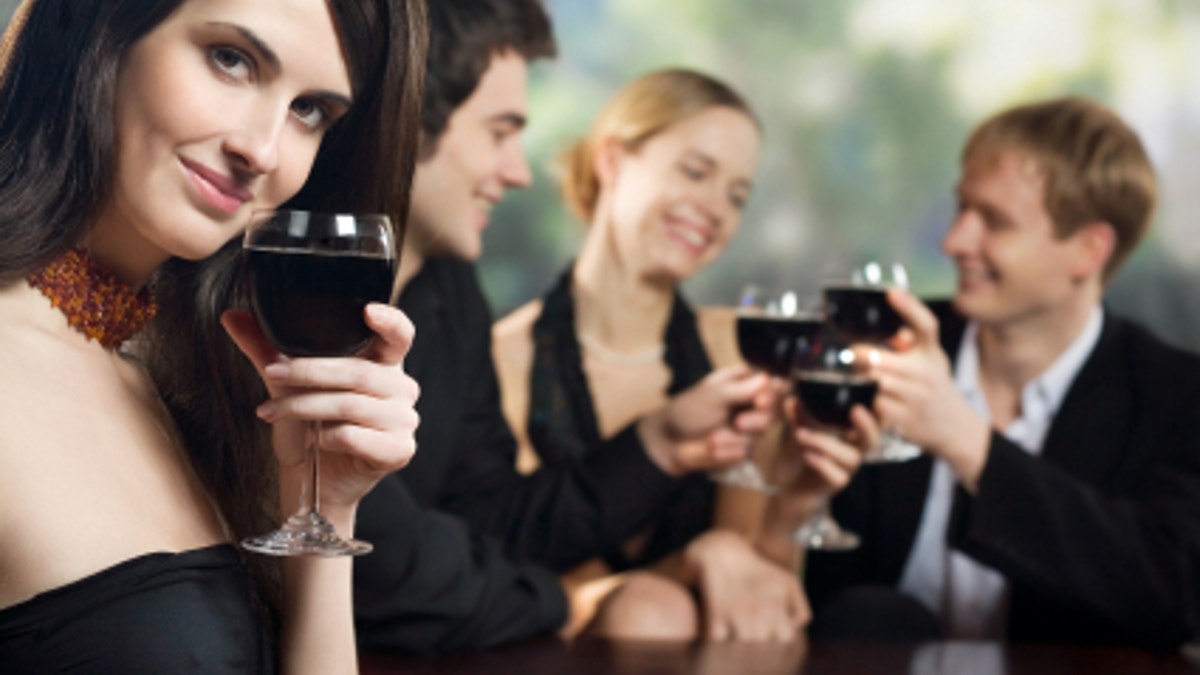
<point>661,180</point>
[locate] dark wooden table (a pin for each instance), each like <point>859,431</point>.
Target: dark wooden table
<point>845,658</point>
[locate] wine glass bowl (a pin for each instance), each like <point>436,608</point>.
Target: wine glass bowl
<point>770,323</point>
<point>769,327</point>
<point>829,397</point>
<point>858,310</point>
<point>857,307</point>
<point>828,384</point>
<point>310,277</point>
<point>309,295</point>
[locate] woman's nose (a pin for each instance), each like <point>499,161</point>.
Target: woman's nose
<point>255,144</point>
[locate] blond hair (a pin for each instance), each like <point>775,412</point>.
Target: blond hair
<point>1094,166</point>
<point>642,109</point>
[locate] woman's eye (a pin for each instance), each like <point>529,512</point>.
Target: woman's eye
<point>738,201</point>
<point>312,114</point>
<point>231,62</point>
<point>692,172</point>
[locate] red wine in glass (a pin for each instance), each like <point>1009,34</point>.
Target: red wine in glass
<point>857,308</point>
<point>769,342</point>
<point>861,313</point>
<point>769,322</point>
<point>828,385</point>
<point>310,277</point>
<point>310,303</point>
<point>828,397</point>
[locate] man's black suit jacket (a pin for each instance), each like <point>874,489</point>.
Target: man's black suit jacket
<point>467,549</point>
<point>1099,536</point>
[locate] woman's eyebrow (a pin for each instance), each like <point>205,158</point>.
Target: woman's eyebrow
<point>255,41</point>
<point>272,59</point>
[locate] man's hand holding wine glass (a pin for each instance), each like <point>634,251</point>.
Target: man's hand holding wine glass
<point>918,396</point>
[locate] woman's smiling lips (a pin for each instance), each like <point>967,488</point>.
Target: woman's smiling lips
<point>695,237</point>
<point>219,191</point>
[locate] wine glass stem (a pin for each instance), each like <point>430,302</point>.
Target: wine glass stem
<point>311,494</point>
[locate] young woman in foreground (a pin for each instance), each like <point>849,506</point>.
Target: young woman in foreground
<point>136,139</point>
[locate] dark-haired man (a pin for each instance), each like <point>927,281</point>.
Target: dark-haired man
<point>1059,500</point>
<point>466,548</point>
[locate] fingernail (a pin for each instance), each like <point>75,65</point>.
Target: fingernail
<point>266,411</point>
<point>278,371</point>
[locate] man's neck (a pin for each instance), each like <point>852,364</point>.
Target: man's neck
<point>1011,354</point>
<point>412,259</point>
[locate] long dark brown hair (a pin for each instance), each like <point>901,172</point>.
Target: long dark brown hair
<point>55,172</point>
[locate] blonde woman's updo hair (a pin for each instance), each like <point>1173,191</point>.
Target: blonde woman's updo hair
<point>642,109</point>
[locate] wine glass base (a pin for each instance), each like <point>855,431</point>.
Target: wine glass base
<point>891,449</point>
<point>306,534</point>
<point>745,475</point>
<point>823,534</point>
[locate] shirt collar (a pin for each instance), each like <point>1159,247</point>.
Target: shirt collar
<point>1050,388</point>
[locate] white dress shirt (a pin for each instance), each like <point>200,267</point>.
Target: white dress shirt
<point>970,599</point>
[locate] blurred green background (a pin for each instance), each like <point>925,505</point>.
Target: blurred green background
<point>866,103</point>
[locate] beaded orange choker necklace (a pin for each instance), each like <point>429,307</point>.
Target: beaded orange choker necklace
<point>95,302</point>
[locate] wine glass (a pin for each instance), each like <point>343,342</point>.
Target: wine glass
<point>769,323</point>
<point>858,309</point>
<point>826,381</point>
<point>310,276</point>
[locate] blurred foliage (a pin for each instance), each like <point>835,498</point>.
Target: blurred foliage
<point>865,104</point>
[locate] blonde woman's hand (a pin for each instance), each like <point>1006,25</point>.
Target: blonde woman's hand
<point>711,424</point>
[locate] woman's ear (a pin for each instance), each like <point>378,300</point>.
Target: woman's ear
<point>607,159</point>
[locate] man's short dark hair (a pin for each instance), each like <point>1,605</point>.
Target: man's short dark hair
<point>464,36</point>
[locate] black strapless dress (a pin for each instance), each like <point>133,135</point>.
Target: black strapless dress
<point>562,418</point>
<point>190,612</point>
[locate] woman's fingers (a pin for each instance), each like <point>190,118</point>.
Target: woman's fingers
<point>726,447</point>
<point>340,406</point>
<point>833,474</point>
<point>382,451</point>
<point>866,430</point>
<point>396,334</point>
<point>341,374</point>
<point>829,446</point>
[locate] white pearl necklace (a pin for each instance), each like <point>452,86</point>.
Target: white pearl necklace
<point>600,351</point>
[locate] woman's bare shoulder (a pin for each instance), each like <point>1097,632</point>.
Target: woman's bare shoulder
<point>512,335</point>
<point>718,332</point>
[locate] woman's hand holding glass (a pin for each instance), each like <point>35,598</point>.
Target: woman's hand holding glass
<point>364,404</point>
<point>317,282</point>
<point>770,323</point>
<point>830,430</point>
<point>711,424</point>
<point>815,463</point>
